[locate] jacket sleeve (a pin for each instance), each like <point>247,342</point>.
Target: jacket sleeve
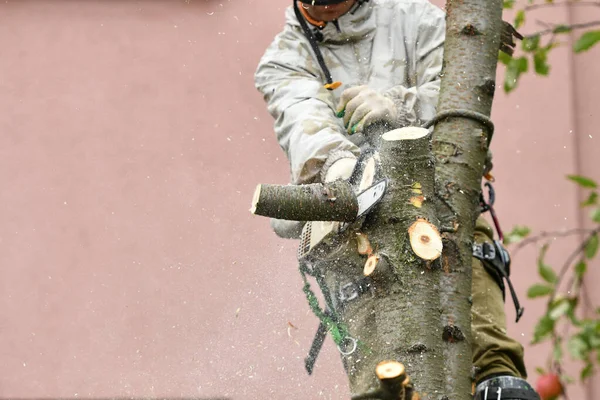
<point>306,126</point>
<point>418,99</point>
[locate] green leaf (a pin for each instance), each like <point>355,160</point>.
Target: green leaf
<point>540,370</point>
<point>504,58</point>
<point>540,62</point>
<point>580,269</point>
<point>583,181</point>
<point>539,290</point>
<point>578,348</point>
<point>592,200</point>
<point>514,69</point>
<point>587,371</point>
<point>508,3</point>
<point>544,327</point>
<point>591,246</point>
<point>531,43</point>
<point>595,215</point>
<point>586,41</point>
<point>519,19</point>
<point>559,309</point>
<point>518,233</point>
<point>545,270</point>
<point>562,29</point>
<point>573,301</point>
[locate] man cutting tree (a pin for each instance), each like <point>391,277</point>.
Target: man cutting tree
<point>341,67</point>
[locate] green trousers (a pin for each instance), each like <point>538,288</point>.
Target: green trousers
<point>494,352</point>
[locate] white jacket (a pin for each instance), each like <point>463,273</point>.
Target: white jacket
<point>393,46</point>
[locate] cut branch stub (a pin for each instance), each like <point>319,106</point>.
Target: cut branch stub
<point>395,384</point>
<point>390,370</point>
<point>406,133</point>
<point>368,176</point>
<point>425,239</point>
<point>334,201</point>
<point>371,264</point>
<point>363,244</point>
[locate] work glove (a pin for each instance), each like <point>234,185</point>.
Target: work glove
<point>287,229</point>
<point>361,106</point>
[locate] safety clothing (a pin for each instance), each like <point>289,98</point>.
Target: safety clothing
<point>394,47</point>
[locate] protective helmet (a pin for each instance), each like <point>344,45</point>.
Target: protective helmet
<point>322,2</point>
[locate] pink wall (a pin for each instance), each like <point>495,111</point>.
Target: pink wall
<point>132,139</point>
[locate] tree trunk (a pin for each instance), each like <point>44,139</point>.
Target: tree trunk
<point>460,144</point>
<point>392,297</point>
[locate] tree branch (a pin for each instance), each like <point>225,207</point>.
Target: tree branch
<point>562,3</point>
<point>545,235</point>
<point>572,259</point>
<point>333,201</point>
<point>570,27</point>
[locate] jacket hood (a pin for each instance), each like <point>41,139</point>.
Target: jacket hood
<point>352,26</point>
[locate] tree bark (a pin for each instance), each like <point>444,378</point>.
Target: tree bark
<point>333,201</point>
<point>460,144</point>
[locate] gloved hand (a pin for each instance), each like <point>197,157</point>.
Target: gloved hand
<point>360,106</point>
<point>287,229</point>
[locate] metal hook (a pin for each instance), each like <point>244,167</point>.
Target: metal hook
<point>354,345</point>
<point>485,206</point>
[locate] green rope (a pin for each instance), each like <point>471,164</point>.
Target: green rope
<point>338,331</point>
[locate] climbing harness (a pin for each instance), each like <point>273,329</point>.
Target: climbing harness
<point>329,319</point>
<point>494,256</point>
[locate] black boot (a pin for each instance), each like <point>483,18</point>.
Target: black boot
<point>505,387</point>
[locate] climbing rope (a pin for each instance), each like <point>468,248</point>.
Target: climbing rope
<point>339,331</point>
<point>473,115</point>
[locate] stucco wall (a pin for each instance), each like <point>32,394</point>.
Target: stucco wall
<point>131,141</point>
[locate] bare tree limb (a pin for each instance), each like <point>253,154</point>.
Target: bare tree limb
<point>562,3</point>
<point>569,27</point>
<point>546,235</point>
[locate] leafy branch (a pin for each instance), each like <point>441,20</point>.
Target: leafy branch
<point>562,3</point>
<point>536,52</point>
<point>562,306</point>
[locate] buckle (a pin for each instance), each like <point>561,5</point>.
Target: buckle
<point>352,290</point>
<point>484,251</point>
<point>348,292</point>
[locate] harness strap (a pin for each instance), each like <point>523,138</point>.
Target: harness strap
<point>496,261</point>
<point>313,43</point>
